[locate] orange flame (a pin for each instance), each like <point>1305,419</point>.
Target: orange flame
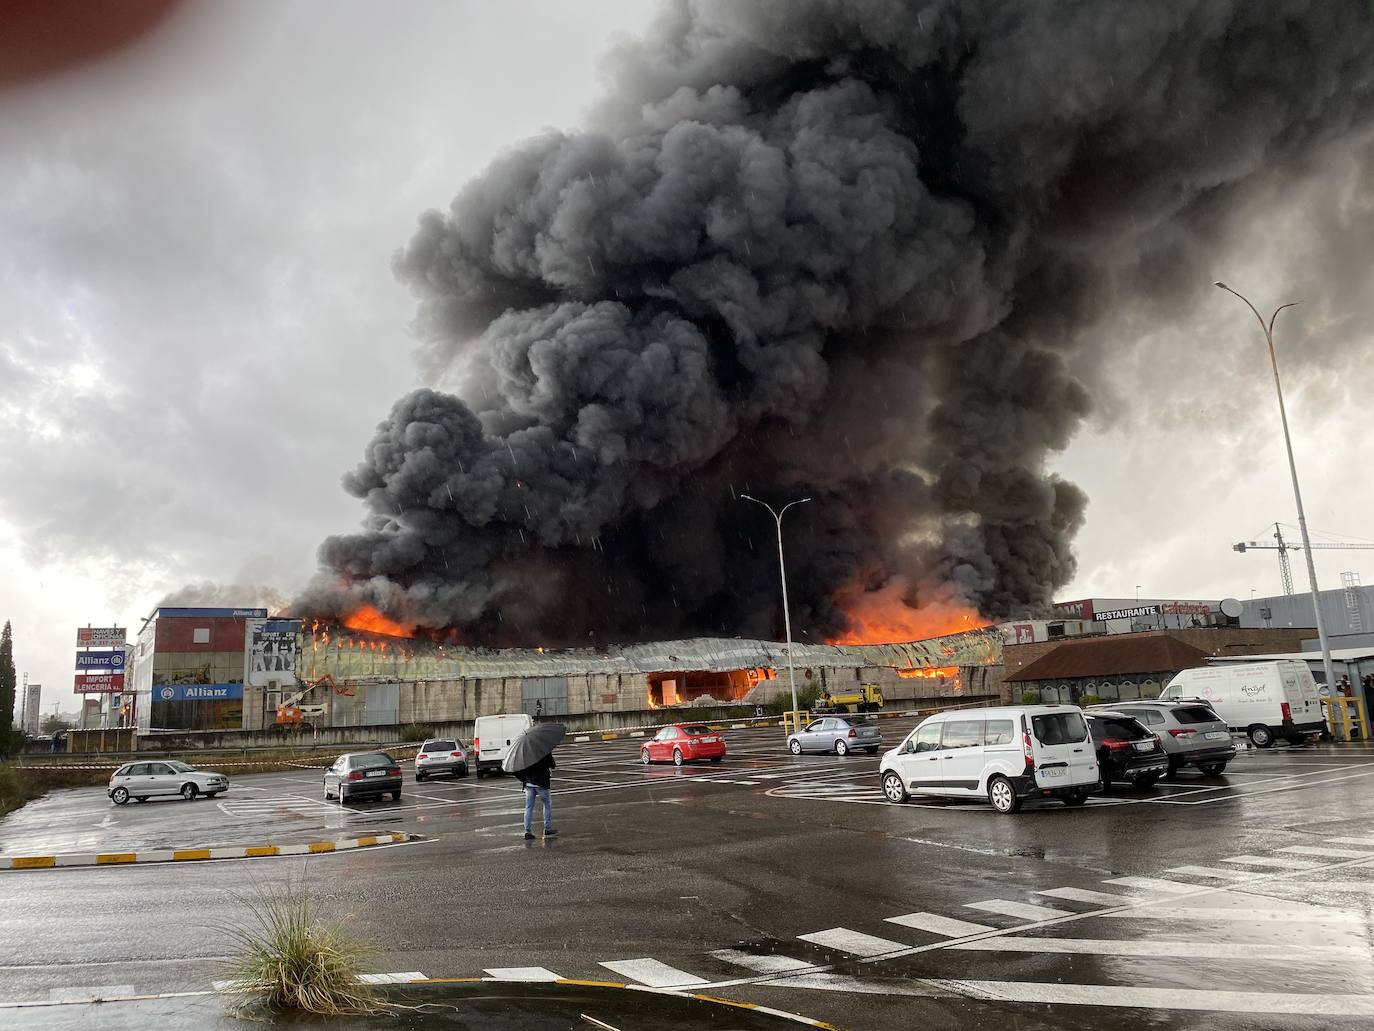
<point>932,673</point>
<point>369,619</point>
<point>884,617</point>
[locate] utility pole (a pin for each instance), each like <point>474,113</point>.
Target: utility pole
<point>782,573</point>
<point>1268,329</point>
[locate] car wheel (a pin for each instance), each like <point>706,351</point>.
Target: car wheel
<point>462,771</point>
<point>893,788</point>
<point>478,774</point>
<point>343,796</point>
<point>794,746</point>
<point>211,794</point>
<point>1002,795</point>
<point>1075,798</point>
<point>871,751</point>
<point>119,796</point>
<point>395,796</point>
<point>189,792</point>
<point>1261,736</point>
<point>419,778</point>
<point>327,796</point>
<point>841,748</point>
<point>1212,769</point>
<point>1171,772</point>
<point>644,756</point>
<point>677,757</point>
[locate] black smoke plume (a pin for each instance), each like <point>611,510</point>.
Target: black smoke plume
<point>851,250</point>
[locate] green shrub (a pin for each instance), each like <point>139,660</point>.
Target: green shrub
<point>1030,697</point>
<point>1089,699</point>
<point>288,960</point>
<point>20,784</point>
<point>416,732</point>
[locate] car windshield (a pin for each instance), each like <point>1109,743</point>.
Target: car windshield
<point>1195,714</point>
<point>371,760</point>
<point>1059,728</point>
<point>440,746</point>
<point>180,767</point>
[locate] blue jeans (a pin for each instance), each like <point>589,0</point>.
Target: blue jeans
<point>530,790</point>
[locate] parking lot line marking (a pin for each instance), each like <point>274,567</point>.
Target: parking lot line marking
<point>1309,915</point>
<point>1022,910</point>
<point>1154,884</point>
<point>856,943</point>
<point>522,974</point>
<point>653,973</point>
<point>763,963</point>
<point>1326,853</point>
<point>1281,864</point>
<point>1123,996</point>
<point>1208,871</point>
<point>936,924</point>
<point>1161,949</point>
<point>1105,898</point>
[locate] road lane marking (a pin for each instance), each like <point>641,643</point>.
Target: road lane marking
<point>1162,949</point>
<point>1154,884</point>
<point>1326,853</point>
<point>1277,863</point>
<point>762,963</point>
<point>522,974</point>
<point>1310,915</point>
<point>856,943</point>
<point>653,973</point>
<point>90,993</point>
<point>1105,898</point>
<point>402,978</point>
<point>937,924</point>
<point>1121,996</point>
<point>1209,871</point>
<point>1023,910</point>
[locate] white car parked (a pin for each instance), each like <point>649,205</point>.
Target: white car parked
<point>144,780</point>
<point>1005,755</point>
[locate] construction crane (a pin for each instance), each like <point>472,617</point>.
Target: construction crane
<point>1283,547</point>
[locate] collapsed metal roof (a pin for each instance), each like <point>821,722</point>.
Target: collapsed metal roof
<point>416,661</point>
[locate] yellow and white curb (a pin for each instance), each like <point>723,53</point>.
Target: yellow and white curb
<point>192,855</point>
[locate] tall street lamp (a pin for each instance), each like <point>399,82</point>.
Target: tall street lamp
<point>782,573</point>
<point>1268,330</point>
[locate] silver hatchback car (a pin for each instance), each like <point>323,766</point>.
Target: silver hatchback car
<point>441,756</point>
<point>837,734</point>
<point>1192,734</point>
<point>163,779</point>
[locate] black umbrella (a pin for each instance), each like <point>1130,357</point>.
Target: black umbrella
<point>533,745</point>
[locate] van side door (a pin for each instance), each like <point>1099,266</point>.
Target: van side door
<point>961,750</point>
<point>920,767</point>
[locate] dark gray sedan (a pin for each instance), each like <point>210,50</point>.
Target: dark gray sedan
<point>838,734</point>
<point>359,774</point>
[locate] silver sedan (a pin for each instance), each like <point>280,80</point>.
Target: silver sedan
<point>166,779</point>
<point>836,734</point>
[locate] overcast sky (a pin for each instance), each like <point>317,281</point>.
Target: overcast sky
<point>199,328</point>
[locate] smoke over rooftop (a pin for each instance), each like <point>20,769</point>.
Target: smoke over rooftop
<point>850,250</point>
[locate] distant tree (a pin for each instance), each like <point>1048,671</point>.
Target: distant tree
<point>7,687</point>
<point>52,724</point>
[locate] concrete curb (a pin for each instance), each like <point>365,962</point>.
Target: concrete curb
<point>193,855</point>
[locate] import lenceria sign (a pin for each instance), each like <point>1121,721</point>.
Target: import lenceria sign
<point>197,692</point>
<point>1132,613</point>
<point>100,660</point>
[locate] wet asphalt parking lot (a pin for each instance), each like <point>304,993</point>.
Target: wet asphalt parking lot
<point>1239,902</point>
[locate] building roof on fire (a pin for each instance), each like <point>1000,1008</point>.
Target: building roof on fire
<point>420,661</point>
<point>1112,656</point>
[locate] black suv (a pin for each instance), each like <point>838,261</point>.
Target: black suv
<point>1125,749</point>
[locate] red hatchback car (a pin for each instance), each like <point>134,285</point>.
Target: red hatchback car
<point>683,743</point>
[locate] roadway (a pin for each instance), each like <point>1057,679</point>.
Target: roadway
<point>1242,902</point>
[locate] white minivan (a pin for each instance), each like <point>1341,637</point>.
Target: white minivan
<point>1005,755</point>
<point>492,737</point>
<point>1262,699</point>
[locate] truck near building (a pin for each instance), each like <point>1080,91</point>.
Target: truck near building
<point>868,698</point>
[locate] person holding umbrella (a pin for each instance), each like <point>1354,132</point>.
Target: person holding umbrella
<point>531,760</point>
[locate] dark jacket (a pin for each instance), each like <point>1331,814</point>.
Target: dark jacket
<point>538,774</point>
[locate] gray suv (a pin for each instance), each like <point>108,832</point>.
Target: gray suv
<point>1192,734</point>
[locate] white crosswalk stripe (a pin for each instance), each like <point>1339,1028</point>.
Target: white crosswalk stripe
<point>1155,885</point>
<point>760,963</point>
<point>1326,853</point>
<point>1103,898</point>
<point>936,924</point>
<point>1021,910</point>
<point>1163,949</point>
<point>1219,872</point>
<point>842,939</point>
<point>653,973</point>
<point>522,974</point>
<point>1308,915</point>
<point>1275,862</point>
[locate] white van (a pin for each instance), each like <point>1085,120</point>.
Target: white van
<point>1262,699</point>
<point>492,737</point>
<point>1004,755</point>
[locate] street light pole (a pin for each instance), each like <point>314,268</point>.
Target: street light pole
<point>1268,330</point>
<point>782,573</point>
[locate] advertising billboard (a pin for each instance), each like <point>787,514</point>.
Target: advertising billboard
<point>272,650</point>
<point>100,660</point>
<point>99,683</point>
<point>99,636</point>
<point>197,692</point>
<point>33,702</point>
